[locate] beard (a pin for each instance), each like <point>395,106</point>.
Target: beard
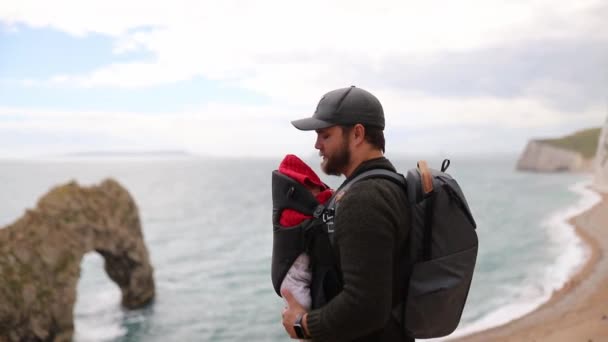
<point>335,163</point>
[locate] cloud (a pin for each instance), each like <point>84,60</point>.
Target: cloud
<point>567,74</point>
<point>430,124</point>
<point>215,129</point>
<point>462,70</point>
<point>257,44</point>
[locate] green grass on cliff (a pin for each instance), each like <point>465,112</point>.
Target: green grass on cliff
<point>585,142</point>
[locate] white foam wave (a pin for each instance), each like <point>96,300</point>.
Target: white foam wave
<point>572,256</point>
<point>96,332</point>
<point>97,313</point>
<point>99,318</point>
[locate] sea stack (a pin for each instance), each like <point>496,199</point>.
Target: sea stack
<point>40,255</point>
<point>600,179</point>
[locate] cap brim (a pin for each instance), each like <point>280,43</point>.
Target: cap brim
<point>311,124</point>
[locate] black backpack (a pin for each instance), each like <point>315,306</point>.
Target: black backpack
<point>442,249</point>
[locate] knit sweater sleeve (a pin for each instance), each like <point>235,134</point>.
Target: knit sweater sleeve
<point>365,234</point>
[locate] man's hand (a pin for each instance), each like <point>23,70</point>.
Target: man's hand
<point>291,312</point>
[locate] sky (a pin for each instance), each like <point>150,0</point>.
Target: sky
<point>225,78</point>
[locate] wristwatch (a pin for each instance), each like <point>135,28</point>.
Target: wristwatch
<point>299,329</point>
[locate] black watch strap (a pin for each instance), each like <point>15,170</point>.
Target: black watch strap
<point>298,328</point>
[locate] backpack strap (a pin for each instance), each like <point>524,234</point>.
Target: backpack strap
<point>426,177</point>
<point>327,213</point>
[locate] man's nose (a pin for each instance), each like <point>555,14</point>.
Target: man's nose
<point>318,144</point>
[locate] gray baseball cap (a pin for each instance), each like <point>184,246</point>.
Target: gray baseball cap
<point>344,106</point>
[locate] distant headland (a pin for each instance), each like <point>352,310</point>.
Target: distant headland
<point>130,154</point>
<point>571,153</point>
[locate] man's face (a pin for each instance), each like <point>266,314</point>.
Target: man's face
<point>334,149</point>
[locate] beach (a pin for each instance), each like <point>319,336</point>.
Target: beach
<point>579,310</point>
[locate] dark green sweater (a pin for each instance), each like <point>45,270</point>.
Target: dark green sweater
<point>371,225</point>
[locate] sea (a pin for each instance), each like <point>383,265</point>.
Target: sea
<point>207,226</point>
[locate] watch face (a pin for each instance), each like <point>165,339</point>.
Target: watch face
<point>299,330</point>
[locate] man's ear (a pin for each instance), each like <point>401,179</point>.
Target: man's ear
<point>358,134</point>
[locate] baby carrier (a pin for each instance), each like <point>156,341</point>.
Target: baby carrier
<point>309,236</point>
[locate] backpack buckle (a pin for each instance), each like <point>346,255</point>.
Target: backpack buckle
<point>319,212</point>
<point>330,227</point>
<point>328,215</point>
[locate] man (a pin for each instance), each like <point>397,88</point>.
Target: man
<point>371,226</point>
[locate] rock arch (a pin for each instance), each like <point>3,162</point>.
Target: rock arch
<point>41,252</point>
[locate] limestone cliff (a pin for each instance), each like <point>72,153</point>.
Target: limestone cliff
<point>573,153</point>
<point>600,179</point>
<point>40,257</point>
<point>543,157</point>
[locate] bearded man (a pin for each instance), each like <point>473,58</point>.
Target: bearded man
<point>370,228</point>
